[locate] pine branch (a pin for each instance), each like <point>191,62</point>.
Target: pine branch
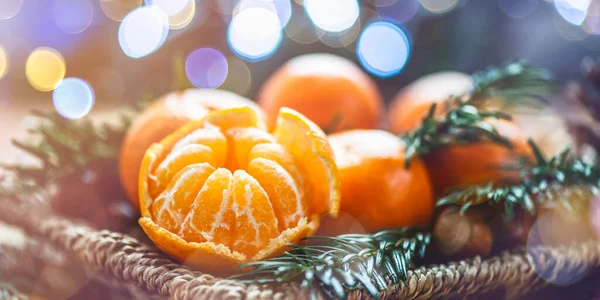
<point>465,117</point>
<point>462,124</point>
<point>338,265</point>
<point>538,184</point>
<point>514,82</point>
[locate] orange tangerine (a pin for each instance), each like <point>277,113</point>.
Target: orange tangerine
<point>377,189</point>
<point>328,89</point>
<point>222,190</point>
<point>163,117</point>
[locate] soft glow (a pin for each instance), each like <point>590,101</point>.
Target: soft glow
<point>143,31</point>
<point>117,9</point>
<point>301,30</point>
<point>238,78</point>
<point>73,98</point>
<point>332,15</point>
<point>574,11</point>
<point>206,68</point>
<point>399,11</point>
<point>439,6</point>
<point>3,62</point>
<point>254,33</point>
<point>45,68</point>
<point>383,49</point>
<point>518,8</point>
<point>180,12</point>
<point>73,16</point>
<point>9,8</point>
<point>283,8</point>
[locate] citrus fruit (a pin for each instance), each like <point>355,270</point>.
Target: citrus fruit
<point>377,189</point>
<point>161,118</point>
<point>330,90</point>
<point>412,103</point>
<point>464,165</point>
<point>222,190</point>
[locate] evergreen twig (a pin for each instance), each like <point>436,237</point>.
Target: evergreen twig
<point>338,265</point>
<point>538,183</point>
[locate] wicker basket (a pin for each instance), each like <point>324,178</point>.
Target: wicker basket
<point>133,268</point>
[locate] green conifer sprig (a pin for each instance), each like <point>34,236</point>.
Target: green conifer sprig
<point>339,265</point>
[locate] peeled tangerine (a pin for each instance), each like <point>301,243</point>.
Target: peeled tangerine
<point>377,189</point>
<point>222,191</point>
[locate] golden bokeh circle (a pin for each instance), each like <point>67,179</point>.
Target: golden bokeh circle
<point>45,68</point>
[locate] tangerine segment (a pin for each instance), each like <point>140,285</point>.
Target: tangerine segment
<point>210,137</point>
<point>176,161</point>
<point>225,119</point>
<point>309,146</point>
<point>211,217</point>
<point>284,192</point>
<point>173,204</point>
<point>280,155</point>
<point>255,219</point>
<point>242,140</point>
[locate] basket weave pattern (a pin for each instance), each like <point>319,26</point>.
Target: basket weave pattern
<point>125,262</point>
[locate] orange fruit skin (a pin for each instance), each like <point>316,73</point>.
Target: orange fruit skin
<point>221,191</point>
<point>460,166</point>
<point>377,189</point>
<point>161,118</point>
<point>330,90</point>
<point>412,103</point>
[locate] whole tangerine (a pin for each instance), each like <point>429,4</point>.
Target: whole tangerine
<point>222,190</point>
<point>464,165</point>
<point>377,189</point>
<point>161,118</point>
<point>330,90</point>
<point>412,103</point>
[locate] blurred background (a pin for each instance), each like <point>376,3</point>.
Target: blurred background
<point>90,56</point>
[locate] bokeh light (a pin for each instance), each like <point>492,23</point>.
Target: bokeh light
<point>9,8</point>
<point>383,49</point>
<point>400,11</point>
<point>3,62</point>
<point>179,12</point>
<point>439,6</point>
<point>143,31</point>
<point>591,24</point>
<point>574,11</point>
<point>518,8</point>
<point>206,68</point>
<point>73,98</point>
<point>283,8</point>
<point>383,3</point>
<point>45,68</point>
<point>301,29</point>
<point>332,15</point>
<point>238,78</point>
<point>73,16</point>
<point>117,9</point>
<point>342,39</point>
<point>568,30</point>
<point>254,33</point>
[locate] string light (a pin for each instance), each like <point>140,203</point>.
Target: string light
<point>116,10</point>
<point>573,11</point>
<point>3,62</point>
<point>45,68</point>
<point>383,49</point>
<point>206,68</point>
<point>179,12</point>
<point>10,8</point>
<point>73,98</point>
<point>332,15</point>
<point>143,31</point>
<point>439,6</point>
<point>254,33</point>
<point>73,16</point>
